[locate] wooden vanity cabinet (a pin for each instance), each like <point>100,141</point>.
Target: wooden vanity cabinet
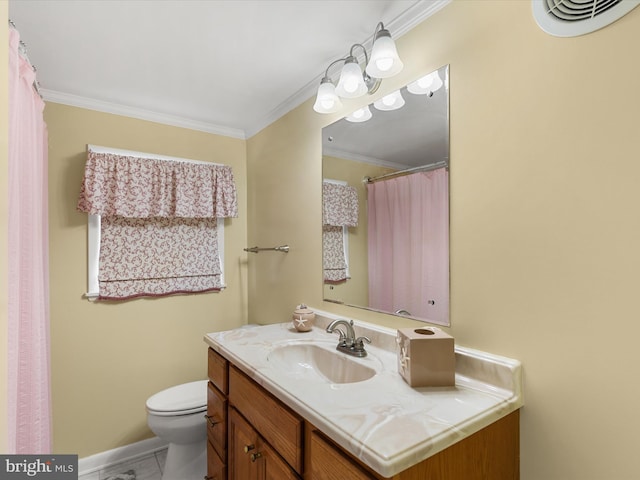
<point>261,438</point>
<point>217,409</point>
<point>493,453</point>
<point>251,434</point>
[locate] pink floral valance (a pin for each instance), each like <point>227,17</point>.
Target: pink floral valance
<point>339,205</point>
<point>142,188</point>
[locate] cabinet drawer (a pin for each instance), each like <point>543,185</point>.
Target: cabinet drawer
<point>216,469</point>
<point>278,425</point>
<point>218,371</point>
<point>217,420</point>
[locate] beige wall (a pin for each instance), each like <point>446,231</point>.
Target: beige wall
<point>108,358</point>
<point>544,223</point>
<point>544,236</point>
<point>4,117</point>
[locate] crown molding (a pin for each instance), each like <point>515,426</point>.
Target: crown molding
<point>356,157</point>
<point>139,113</point>
<point>400,25</point>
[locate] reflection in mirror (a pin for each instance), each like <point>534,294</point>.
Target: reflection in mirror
<point>386,203</point>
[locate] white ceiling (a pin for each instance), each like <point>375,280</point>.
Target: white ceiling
<point>227,67</point>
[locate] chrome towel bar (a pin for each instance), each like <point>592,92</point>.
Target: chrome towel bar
<point>281,248</point>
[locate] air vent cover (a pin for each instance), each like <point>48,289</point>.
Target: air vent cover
<point>571,18</point>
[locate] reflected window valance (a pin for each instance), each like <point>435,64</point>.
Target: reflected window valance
<point>134,187</point>
<point>339,205</point>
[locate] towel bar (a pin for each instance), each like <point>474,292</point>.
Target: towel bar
<point>281,248</point>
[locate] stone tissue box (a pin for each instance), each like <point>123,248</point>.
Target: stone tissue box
<point>426,357</point>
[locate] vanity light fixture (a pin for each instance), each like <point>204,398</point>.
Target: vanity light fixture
<point>354,81</point>
<point>428,84</point>
<point>361,115</point>
<point>393,101</point>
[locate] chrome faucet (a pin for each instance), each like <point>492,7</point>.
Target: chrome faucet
<point>347,342</point>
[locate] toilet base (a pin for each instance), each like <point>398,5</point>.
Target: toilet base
<point>185,461</point>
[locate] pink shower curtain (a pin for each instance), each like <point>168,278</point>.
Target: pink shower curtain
<point>408,239</point>
<point>28,392</point>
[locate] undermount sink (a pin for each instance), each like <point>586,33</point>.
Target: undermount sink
<point>315,362</point>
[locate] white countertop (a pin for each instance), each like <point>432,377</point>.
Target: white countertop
<point>382,421</point>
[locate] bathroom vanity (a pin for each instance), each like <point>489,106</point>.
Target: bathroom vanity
<point>286,405</point>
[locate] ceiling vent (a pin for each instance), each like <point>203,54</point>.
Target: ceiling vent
<point>571,18</point>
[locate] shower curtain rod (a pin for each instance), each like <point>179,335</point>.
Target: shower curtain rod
<point>400,173</point>
<point>23,52</point>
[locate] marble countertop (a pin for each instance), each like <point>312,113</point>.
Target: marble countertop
<point>384,422</point>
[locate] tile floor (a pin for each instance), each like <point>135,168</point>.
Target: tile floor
<point>148,467</point>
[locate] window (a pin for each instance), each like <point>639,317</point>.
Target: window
<point>156,224</point>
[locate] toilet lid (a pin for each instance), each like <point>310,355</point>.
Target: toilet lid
<point>186,398</point>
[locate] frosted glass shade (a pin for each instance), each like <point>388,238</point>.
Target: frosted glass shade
<point>351,83</point>
<point>361,115</point>
<point>393,101</point>
<point>384,62</point>
<point>326,100</point>
<point>428,83</point>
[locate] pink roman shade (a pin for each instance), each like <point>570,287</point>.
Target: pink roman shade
<point>340,210</point>
<point>142,187</point>
<point>155,257</point>
<point>158,223</point>
<point>333,254</point>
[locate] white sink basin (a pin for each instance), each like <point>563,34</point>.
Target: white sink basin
<point>319,362</point>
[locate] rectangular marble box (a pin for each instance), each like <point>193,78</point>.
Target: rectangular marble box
<point>426,357</point>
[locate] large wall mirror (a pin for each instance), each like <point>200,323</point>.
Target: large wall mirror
<point>386,203</point>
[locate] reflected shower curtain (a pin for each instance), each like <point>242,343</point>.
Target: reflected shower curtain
<point>408,240</point>
<point>28,391</point>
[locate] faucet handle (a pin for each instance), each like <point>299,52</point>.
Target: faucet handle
<point>360,341</point>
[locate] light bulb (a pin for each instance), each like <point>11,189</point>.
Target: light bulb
<point>384,64</point>
<point>361,115</point>
<point>388,100</point>
<point>427,84</point>
<point>393,101</point>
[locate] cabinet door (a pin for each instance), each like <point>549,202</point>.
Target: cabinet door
<point>328,463</point>
<point>272,467</point>
<point>250,456</point>
<point>216,469</point>
<point>242,452</point>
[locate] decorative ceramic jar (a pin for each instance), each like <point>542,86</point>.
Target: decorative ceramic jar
<point>303,318</point>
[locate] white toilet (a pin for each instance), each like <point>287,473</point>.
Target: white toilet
<point>177,416</point>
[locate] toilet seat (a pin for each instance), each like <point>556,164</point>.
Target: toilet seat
<point>184,399</point>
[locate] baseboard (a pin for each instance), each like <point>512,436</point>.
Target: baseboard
<point>103,460</point>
